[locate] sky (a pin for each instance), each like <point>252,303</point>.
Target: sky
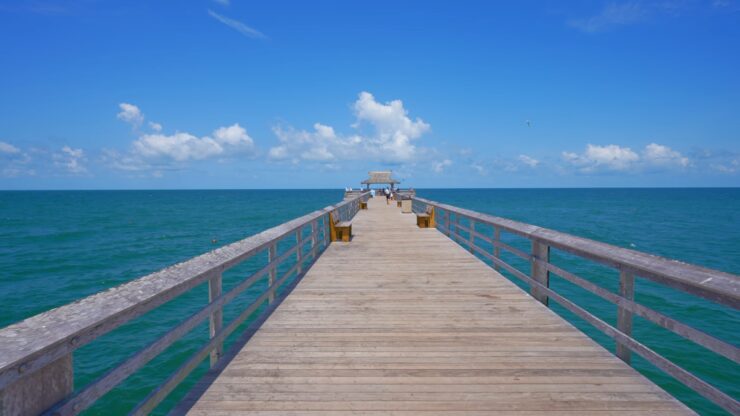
<point>313,94</point>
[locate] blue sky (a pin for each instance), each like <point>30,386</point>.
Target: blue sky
<point>302,94</point>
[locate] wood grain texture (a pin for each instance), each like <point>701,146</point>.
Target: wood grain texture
<point>404,321</point>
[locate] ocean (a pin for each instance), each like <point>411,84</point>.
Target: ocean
<point>59,246</point>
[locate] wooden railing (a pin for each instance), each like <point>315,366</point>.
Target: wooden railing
<point>36,374</point>
<point>715,286</point>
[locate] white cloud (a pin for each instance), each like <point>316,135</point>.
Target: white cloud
<point>163,151</point>
<point>71,160</point>
<point>237,25</point>
<point>439,167</point>
<point>613,14</point>
<point>529,161</point>
<point>14,162</point>
<point>130,114</point>
<point>731,167</point>
<point>609,157</point>
<point>478,168</point>
<point>390,139</point>
<point>623,159</point>
<point>181,147</point>
<point>660,155</point>
<point>8,148</point>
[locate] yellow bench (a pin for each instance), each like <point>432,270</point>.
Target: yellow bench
<point>363,204</point>
<point>426,219</point>
<point>339,230</point>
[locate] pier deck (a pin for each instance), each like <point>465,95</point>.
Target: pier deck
<point>402,320</point>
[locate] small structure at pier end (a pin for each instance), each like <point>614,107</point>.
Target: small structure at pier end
<point>380,177</point>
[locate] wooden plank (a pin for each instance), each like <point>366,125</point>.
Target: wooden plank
<point>404,320</point>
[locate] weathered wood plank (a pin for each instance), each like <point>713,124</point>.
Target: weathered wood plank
<point>404,320</point>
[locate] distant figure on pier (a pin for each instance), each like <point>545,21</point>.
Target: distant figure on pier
<point>372,193</point>
<point>387,193</point>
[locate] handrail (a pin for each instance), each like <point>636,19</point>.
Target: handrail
<point>36,346</point>
<point>713,285</point>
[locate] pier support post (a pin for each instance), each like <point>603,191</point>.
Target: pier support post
<point>217,317</point>
<point>540,274</point>
<point>271,256</point>
<point>38,391</point>
<point>624,317</point>
<point>496,248</point>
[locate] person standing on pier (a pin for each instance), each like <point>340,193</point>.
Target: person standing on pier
<point>387,193</point>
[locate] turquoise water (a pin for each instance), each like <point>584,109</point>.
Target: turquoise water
<point>56,247</point>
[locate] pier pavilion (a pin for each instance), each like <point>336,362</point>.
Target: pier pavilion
<point>400,320</point>
<point>380,177</point>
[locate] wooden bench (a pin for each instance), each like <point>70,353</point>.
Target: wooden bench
<point>398,202</point>
<point>426,219</point>
<point>339,230</point>
<point>363,204</point>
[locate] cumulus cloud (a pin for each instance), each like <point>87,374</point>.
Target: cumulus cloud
<point>237,25</point>
<point>439,167</point>
<point>8,148</point>
<point>130,114</point>
<point>181,147</point>
<point>623,159</point>
<point>157,151</point>
<point>71,160</point>
<point>479,168</point>
<point>14,162</point>
<point>732,166</point>
<point>656,154</point>
<point>390,139</point>
<point>528,161</point>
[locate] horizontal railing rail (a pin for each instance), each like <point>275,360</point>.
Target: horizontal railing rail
<point>716,286</point>
<point>35,354</point>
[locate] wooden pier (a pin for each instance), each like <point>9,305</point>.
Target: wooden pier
<point>404,320</point>
<point>399,320</point>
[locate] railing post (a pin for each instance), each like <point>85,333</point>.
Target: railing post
<point>624,317</point>
<point>447,222</point>
<point>496,248</point>
<point>327,229</point>
<point>271,256</point>
<point>471,237</point>
<point>540,274</point>
<point>217,317</point>
<point>314,236</point>
<point>299,251</point>
<point>455,223</point>
<point>40,390</point>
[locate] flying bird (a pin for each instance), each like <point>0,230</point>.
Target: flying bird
<point>529,123</point>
